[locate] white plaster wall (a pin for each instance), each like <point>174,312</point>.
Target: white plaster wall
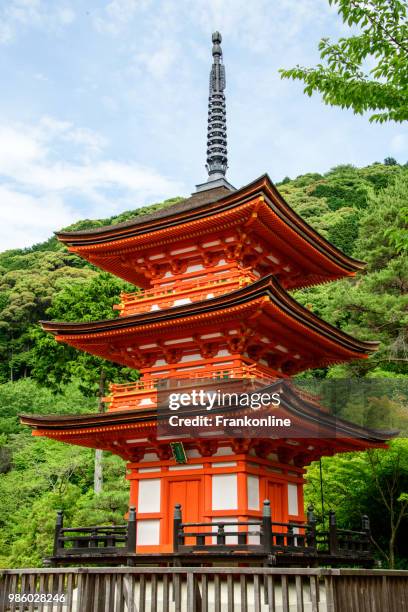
<point>224,492</point>
<point>148,532</point>
<point>149,495</point>
<point>253,492</point>
<point>293,507</point>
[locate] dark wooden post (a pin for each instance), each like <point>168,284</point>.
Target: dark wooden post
<point>311,531</point>
<point>221,535</point>
<point>267,526</point>
<point>290,538</point>
<point>177,527</point>
<point>332,533</point>
<point>131,530</point>
<point>59,523</point>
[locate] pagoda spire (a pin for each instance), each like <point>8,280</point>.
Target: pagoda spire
<point>217,157</point>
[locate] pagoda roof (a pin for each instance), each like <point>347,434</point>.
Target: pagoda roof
<point>197,199</point>
<point>263,305</point>
<point>110,247</point>
<point>112,430</point>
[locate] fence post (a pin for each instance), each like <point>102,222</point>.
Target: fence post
<point>177,526</point>
<point>131,530</point>
<point>221,535</point>
<point>267,526</point>
<point>311,531</point>
<point>332,533</point>
<point>59,523</point>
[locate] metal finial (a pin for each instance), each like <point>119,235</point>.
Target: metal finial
<point>217,161</point>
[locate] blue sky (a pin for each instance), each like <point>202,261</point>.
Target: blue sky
<point>103,105</point>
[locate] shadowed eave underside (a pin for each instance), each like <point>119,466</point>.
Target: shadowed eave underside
<point>264,296</point>
<point>314,418</point>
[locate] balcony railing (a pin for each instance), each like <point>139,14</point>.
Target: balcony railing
<point>97,541</point>
<point>122,396</point>
<point>263,537</point>
<point>194,290</point>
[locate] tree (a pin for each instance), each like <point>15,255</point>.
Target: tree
<point>343,79</point>
<point>374,483</point>
<point>57,364</point>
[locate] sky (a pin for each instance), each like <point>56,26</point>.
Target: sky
<point>103,104</point>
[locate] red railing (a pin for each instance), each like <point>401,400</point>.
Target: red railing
<point>134,392</point>
<point>164,297</point>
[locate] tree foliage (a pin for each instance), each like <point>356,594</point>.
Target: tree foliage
<point>345,78</point>
<point>374,483</point>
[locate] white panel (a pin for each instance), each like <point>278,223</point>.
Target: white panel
<point>254,539</point>
<point>223,353</point>
<point>178,340</point>
<point>210,244</point>
<point>224,492</point>
<point>191,466</point>
<point>223,450</point>
<point>150,457</point>
<point>152,469</point>
<point>292,499</point>
<point>193,357</point>
<point>227,519</point>
<point>194,268</point>
<point>207,336</point>
<point>149,495</point>
<point>181,301</point>
<point>148,532</point>
<point>222,464</point>
<point>184,250</point>
<point>159,256</point>
<point>253,492</point>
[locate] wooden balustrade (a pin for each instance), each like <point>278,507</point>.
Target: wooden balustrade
<point>125,393</point>
<point>203,589</point>
<point>263,537</point>
<point>272,537</point>
<point>97,540</point>
<point>164,296</point>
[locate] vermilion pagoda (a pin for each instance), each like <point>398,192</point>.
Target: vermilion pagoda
<point>215,270</point>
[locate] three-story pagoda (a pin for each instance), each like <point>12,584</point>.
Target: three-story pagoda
<point>214,272</point>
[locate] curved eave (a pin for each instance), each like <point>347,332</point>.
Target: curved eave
<point>268,287</point>
<point>318,420</point>
<point>173,216</point>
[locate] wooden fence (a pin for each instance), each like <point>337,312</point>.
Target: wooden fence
<point>160,589</point>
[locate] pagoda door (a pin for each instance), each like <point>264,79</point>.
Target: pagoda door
<point>275,493</point>
<point>186,492</point>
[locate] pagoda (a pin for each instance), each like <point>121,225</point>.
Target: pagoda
<point>213,273</point>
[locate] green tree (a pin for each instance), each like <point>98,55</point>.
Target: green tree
<point>374,483</point>
<point>379,37</point>
<point>56,364</point>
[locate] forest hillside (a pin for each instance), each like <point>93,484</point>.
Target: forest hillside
<point>363,211</point>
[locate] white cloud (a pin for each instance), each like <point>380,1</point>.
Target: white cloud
<point>27,219</point>
<point>159,61</point>
<point>399,143</point>
<point>117,14</point>
<point>46,170</point>
<point>17,14</point>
